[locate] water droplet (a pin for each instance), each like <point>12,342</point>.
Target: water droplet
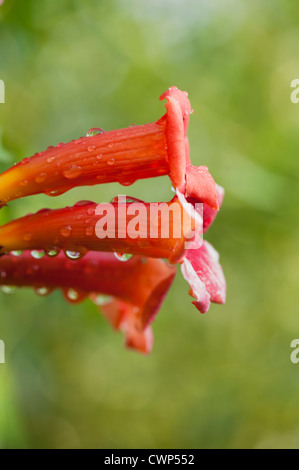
<point>91,148</point>
<point>17,252</point>
<point>3,274</point>
<point>131,199</point>
<point>52,252</point>
<point>91,211</point>
<point>23,183</point>
<point>41,178</point>
<point>66,231</point>
<point>43,211</point>
<point>110,145</point>
<point>25,161</point>
<point>123,256</point>
<point>42,291</point>
<point>100,299</point>
<point>74,254</point>
<point>72,294</point>
<point>27,237</point>
<point>127,183</point>
<point>72,172</point>
<point>89,231</point>
<point>83,203</point>
<point>111,161</point>
<point>8,289</point>
<point>50,159</point>
<point>99,156</point>
<point>94,131</point>
<point>37,254</point>
<point>55,192</point>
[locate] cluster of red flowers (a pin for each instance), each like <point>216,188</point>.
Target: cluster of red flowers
<point>61,249</point>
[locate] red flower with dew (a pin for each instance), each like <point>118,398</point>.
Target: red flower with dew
<point>107,227</point>
<point>89,233</point>
<point>124,156</point>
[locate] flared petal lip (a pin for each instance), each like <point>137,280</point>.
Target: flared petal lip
<point>185,176</point>
<point>201,269</point>
<point>177,119</point>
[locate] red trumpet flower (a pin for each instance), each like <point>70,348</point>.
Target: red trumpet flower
<point>137,287</point>
<point>111,227</point>
<point>123,156</point>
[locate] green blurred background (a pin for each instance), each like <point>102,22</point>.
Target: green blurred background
<point>220,380</point>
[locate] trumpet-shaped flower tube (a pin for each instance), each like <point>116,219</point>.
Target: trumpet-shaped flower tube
<point>136,288</point>
<point>157,231</point>
<point>124,156</point>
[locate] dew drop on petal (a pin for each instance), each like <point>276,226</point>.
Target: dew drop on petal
<point>42,291</point>
<point>72,294</point>
<point>73,172</point>
<point>41,178</point>
<point>50,159</point>
<point>66,231</point>
<point>111,161</point>
<point>27,237</point>
<point>123,256</point>
<point>8,289</point>
<point>55,193</point>
<point>23,183</point>
<point>94,131</point>
<point>83,203</point>
<point>52,252</point>
<point>127,183</point>
<point>17,252</point>
<point>89,231</point>
<point>91,211</point>
<point>74,255</point>
<point>100,299</point>
<point>91,148</point>
<point>37,254</point>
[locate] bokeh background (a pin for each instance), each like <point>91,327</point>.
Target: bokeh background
<point>224,379</point>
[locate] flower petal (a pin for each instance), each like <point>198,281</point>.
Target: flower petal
<point>201,186</point>
<point>177,120</point>
<point>106,227</point>
<point>123,317</point>
<point>142,282</point>
<point>209,214</point>
<point>123,156</point>
<point>202,270</point>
